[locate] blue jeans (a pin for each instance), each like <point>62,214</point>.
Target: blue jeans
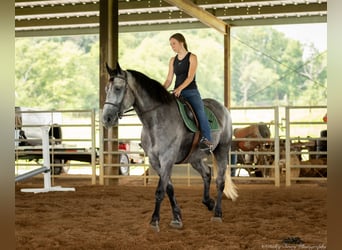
<point>194,98</point>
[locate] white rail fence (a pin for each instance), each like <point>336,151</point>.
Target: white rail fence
<point>72,142</point>
<point>257,155</point>
<point>306,142</point>
<point>268,162</point>
<point>293,152</point>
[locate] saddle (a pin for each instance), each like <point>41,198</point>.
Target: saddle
<point>190,120</point>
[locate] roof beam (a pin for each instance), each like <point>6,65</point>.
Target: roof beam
<point>56,9</point>
<point>57,21</point>
<point>203,16</point>
<point>58,17</point>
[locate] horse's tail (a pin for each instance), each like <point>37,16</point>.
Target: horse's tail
<point>229,186</point>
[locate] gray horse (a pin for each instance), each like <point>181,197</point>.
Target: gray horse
<point>166,140</point>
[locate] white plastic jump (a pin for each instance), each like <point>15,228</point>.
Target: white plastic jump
<point>45,169</point>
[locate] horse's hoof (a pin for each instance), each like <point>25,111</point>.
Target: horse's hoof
<point>176,224</point>
<point>155,226</point>
<point>216,219</point>
<point>210,204</point>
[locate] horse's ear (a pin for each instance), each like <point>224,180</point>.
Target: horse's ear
<point>109,70</point>
<point>118,68</point>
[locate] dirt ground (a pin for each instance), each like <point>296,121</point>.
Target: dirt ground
<point>117,217</point>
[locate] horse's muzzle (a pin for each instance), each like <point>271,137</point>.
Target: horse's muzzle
<point>110,119</point>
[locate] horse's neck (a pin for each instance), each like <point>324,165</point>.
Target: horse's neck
<point>146,107</point>
<point>147,111</point>
<point>150,111</point>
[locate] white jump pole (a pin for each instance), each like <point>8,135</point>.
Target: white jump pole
<point>46,163</point>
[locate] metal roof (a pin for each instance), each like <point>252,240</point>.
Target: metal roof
<point>67,17</point>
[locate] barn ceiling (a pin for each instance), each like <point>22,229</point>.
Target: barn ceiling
<point>67,17</point>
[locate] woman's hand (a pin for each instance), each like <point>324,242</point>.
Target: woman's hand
<point>177,92</point>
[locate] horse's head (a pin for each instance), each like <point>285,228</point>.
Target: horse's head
<point>118,96</point>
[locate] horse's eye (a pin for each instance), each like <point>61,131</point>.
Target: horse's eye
<point>117,89</point>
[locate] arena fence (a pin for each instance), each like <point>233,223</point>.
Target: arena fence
<point>305,144</point>
<point>292,152</point>
<point>256,154</point>
<point>270,160</point>
<point>72,142</point>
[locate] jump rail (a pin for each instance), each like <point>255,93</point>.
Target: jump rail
<point>72,152</point>
<point>31,173</point>
<point>45,169</point>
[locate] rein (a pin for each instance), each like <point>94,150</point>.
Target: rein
<point>121,114</point>
<point>127,111</point>
<point>150,110</point>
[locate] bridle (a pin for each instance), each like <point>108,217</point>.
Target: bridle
<point>118,106</point>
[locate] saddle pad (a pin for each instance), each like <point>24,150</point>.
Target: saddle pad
<point>190,124</point>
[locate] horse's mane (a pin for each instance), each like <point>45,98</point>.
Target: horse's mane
<point>153,88</point>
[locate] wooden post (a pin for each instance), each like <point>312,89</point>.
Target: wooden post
<point>210,20</point>
<point>109,30</point>
<point>227,76</point>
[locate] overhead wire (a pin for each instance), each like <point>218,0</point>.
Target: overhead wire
<point>291,69</point>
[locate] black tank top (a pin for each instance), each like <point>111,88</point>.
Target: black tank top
<point>181,69</point>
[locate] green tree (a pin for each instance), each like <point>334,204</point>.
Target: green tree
<point>267,68</point>
<point>150,53</point>
<point>55,75</point>
<point>251,80</point>
<point>279,56</point>
<point>314,87</point>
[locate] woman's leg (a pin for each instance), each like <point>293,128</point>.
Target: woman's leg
<point>194,98</point>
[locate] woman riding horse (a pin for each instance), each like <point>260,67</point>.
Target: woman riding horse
<point>184,65</point>
<point>158,111</point>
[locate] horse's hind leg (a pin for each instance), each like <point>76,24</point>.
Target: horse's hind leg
<point>221,156</point>
<point>205,172</point>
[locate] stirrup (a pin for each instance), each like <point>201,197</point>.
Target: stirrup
<point>205,145</point>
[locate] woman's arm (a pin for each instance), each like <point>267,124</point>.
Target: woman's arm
<point>169,77</point>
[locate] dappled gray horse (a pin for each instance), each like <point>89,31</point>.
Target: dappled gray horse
<point>166,140</point>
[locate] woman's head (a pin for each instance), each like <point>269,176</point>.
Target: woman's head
<point>176,40</point>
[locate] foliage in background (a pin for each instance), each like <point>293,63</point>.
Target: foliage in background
<point>269,69</point>
<point>152,55</point>
<point>55,74</point>
<point>266,67</point>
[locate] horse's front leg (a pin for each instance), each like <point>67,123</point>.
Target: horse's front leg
<point>159,196</point>
<point>176,222</point>
<point>164,185</point>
